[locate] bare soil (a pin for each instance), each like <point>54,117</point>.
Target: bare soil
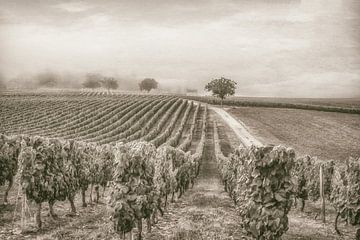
<point>239,128</point>
<point>326,135</point>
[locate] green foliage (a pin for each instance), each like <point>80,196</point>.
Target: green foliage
<point>53,170</point>
<point>306,176</point>
<point>168,161</point>
<point>173,110</point>
<point>299,175</point>
<point>163,134</point>
<point>259,180</point>
<point>47,173</point>
<point>133,193</point>
<point>174,140</point>
<point>142,176</point>
<point>221,87</point>
<point>109,83</point>
<point>147,84</point>
<point>9,152</point>
<point>199,152</point>
<point>187,142</point>
<point>345,195</point>
<point>93,80</point>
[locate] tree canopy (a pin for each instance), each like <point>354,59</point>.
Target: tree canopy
<point>109,83</point>
<point>147,84</point>
<point>47,79</point>
<point>221,87</point>
<point>93,80</point>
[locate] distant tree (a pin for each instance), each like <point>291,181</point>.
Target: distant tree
<point>93,80</point>
<point>109,83</point>
<point>221,88</point>
<point>147,84</point>
<point>47,79</point>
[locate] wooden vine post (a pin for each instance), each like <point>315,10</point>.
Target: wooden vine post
<point>322,193</point>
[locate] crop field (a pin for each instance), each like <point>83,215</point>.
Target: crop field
<point>347,105</point>
<point>100,119</point>
<point>105,165</point>
<point>327,135</point>
<point>331,102</point>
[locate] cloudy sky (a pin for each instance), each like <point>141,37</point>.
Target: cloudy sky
<point>285,48</point>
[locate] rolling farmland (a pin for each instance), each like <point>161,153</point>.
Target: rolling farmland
<point>164,167</point>
<point>93,129</point>
<point>327,135</point>
<point>101,119</point>
<point>180,120</point>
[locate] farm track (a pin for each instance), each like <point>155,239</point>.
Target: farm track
<point>205,211</point>
<point>238,127</point>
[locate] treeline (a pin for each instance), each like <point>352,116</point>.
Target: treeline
<point>241,103</point>
<point>53,79</point>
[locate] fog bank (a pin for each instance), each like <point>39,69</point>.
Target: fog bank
<point>284,48</point>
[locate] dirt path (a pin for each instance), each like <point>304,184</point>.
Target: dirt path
<point>238,127</point>
<point>205,211</point>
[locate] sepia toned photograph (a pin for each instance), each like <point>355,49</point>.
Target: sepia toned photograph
<point>180,119</point>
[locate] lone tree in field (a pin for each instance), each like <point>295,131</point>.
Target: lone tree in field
<point>221,88</point>
<point>93,80</point>
<point>109,83</point>
<point>147,84</point>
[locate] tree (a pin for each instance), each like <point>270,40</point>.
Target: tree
<point>221,88</point>
<point>109,83</point>
<point>47,79</point>
<point>93,80</point>
<point>147,84</point>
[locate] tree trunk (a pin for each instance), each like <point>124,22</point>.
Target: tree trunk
<point>51,209</point>
<point>148,222</point>
<point>83,197</point>
<point>97,193</point>
<point>302,204</point>
<point>335,224</point>
<point>38,215</point>
<point>139,229</point>
<point>72,205</point>
<point>11,180</point>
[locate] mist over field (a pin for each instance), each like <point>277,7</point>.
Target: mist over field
<point>282,48</point>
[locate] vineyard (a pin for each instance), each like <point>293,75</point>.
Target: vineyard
<point>126,160</point>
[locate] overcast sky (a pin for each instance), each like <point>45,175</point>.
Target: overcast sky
<point>285,48</point>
